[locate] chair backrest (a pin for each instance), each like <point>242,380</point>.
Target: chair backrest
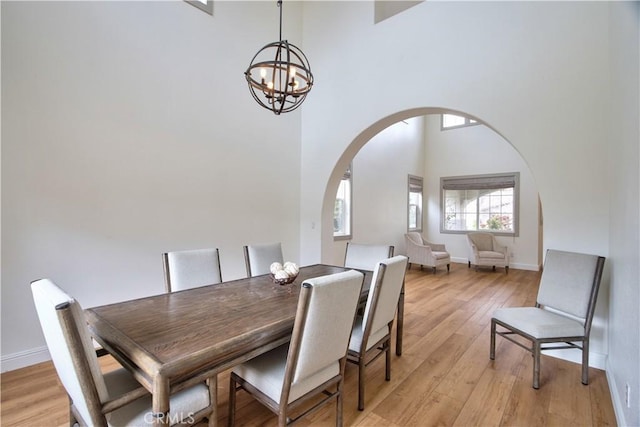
<point>483,241</point>
<point>322,328</point>
<point>69,342</point>
<point>258,258</point>
<point>384,294</point>
<point>570,282</point>
<point>414,237</point>
<point>366,257</point>
<point>192,268</point>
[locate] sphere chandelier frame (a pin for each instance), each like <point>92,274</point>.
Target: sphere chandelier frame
<point>279,76</point>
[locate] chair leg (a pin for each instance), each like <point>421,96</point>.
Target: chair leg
<point>339,403</point>
<point>72,417</point>
<point>585,362</point>
<point>434,270</point>
<point>494,268</point>
<point>448,267</point>
<point>387,350</point>
<point>506,270</point>
<point>492,345</point>
<point>232,402</point>
<point>469,264</point>
<point>361,368</point>
<point>536,365</point>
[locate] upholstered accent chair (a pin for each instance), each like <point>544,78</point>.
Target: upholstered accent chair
<point>258,258</point>
<point>191,268</point>
<point>424,253</point>
<point>484,250</point>
<point>366,257</point>
<point>563,311</point>
<point>312,365</point>
<point>114,398</point>
<point>371,336</point>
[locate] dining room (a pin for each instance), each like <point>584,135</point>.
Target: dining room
<point>128,131</point>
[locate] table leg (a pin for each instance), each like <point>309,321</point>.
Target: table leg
<point>400,325</point>
<point>160,400</point>
<point>213,394</point>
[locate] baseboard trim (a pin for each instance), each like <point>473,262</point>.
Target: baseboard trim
<point>616,399</point>
<point>515,266</point>
<point>23,359</point>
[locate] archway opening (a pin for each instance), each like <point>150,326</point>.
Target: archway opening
<point>382,157</point>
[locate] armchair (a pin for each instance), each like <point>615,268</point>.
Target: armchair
<point>484,250</point>
<point>424,253</point>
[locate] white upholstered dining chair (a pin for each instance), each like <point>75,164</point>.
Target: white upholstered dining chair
<point>191,268</point>
<point>366,257</point>
<point>371,336</point>
<point>258,258</point>
<point>313,363</point>
<point>563,311</point>
<point>111,399</point>
<point>423,253</point>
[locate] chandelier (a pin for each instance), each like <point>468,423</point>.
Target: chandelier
<point>279,76</point>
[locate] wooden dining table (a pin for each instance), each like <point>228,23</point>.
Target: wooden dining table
<point>172,341</point>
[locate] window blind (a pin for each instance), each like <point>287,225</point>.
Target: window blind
<point>480,182</point>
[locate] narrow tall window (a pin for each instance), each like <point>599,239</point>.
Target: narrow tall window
<point>485,203</point>
<point>415,203</point>
<point>342,209</point>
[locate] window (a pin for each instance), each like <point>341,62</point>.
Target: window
<point>480,203</point>
<point>415,203</point>
<point>342,209</point>
<point>451,121</point>
<point>205,5</point>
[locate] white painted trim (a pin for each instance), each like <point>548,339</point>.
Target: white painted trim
<point>616,399</point>
<point>23,359</point>
<point>514,266</point>
<point>596,360</point>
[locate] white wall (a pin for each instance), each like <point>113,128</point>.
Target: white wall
<point>380,185</point>
<point>537,72</point>
<point>478,150</point>
<point>127,131</point>
<point>623,365</point>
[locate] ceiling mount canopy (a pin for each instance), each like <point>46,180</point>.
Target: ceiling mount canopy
<point>279,75</point>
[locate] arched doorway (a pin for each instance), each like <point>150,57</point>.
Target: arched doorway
<point>484,150</point>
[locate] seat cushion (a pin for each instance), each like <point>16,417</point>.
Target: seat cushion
<point>441,255</point>
<point>266,373</point>
<point>490,255</point>
<point>183,405</point>
<point>539,323</point>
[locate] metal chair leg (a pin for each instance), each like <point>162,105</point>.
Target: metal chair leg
<point>536,365</point>
<point>585,362</point>
<point>492,346</point>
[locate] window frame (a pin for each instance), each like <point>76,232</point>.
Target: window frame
<point>467,122</point>
<point>205,6</point>
<point>415,181</point>
<point>482,182</point>
<point>348,176</point>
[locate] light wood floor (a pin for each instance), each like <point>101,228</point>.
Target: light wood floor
<point>444,376</point>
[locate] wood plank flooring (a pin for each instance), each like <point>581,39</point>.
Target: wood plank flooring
<point>443,378</point>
